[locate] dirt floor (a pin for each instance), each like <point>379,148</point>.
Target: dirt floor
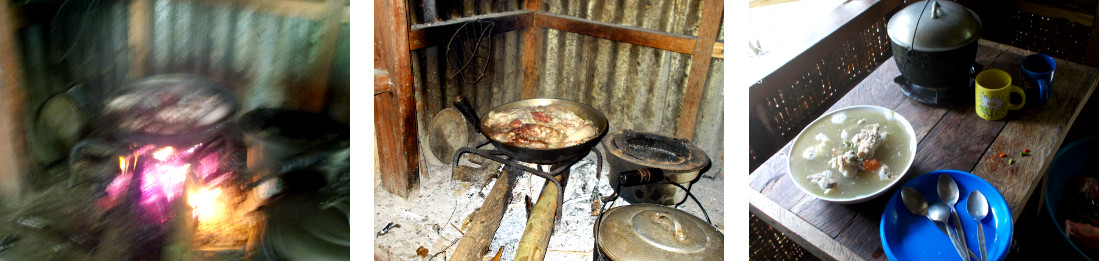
<point>433,216</point>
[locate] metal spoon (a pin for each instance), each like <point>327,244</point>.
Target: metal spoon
<point>914,201</point>
<point>939,213</point>
<point>948,192</point>
<point>916,204</point>
<point>978,208</point>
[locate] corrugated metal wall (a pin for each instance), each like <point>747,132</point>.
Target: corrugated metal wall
<point>637,87</point>
<point>430,71</point>
<point>262,58</point>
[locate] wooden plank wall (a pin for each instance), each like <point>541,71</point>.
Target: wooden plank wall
<point>396,132</point>
<point>12,139</point>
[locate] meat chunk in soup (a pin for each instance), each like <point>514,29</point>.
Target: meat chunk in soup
<point>824,180</point>
<point>847,163</point>
<point>867,141</point>
<point>884,172</point>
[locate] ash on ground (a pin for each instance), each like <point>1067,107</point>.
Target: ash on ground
<point>433,216</point>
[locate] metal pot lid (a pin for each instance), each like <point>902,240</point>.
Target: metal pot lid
<point>654,232</point>
<point>934,26</point>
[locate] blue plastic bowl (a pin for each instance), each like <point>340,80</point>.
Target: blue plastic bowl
<point>1072,160</point>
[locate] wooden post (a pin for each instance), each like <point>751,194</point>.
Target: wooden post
<point>700,67</point>
<point>532,53</point>
<point>486,220</point>
<point>139,38</point>
<point>395,111</point>
<point>12,138</point>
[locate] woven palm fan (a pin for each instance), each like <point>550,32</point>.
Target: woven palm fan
<point>470,50</point>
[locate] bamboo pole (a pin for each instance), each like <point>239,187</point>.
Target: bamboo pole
<point>486,220</point>
<point>536,236</point>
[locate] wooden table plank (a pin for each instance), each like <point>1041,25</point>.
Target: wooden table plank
<point>938,149</point>
<point>1042,129</point>
<point>923,118</point>
<point>861,234</point>
<point>961,137</point>
<point>953,137</point>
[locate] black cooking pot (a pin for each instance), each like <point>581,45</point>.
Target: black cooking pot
<point>935,45</point>
<point>540,156</point>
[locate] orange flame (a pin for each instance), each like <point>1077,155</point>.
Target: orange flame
<point>205,204</point>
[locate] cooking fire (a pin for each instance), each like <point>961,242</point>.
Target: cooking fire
<point>173,181</point>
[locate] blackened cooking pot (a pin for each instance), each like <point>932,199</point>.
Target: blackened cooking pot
<point>935,45</point>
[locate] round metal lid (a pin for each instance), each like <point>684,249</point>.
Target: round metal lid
<point>934,26</point>
<point>654,232</point>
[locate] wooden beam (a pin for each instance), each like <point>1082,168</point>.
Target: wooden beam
<point>621,33</point>
<point>395,112</point>
<point>139,37</point>
<point>426,35</point>
<point>382,83</point>
<point>700,68</point>
<point>719,50</point>
<point>13,139</point>
<point>313,96</point>
<point>532,54</point>
<point>852,18</point>
<point>486,220</point>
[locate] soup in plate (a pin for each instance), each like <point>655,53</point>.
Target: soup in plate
<point>851,153</point>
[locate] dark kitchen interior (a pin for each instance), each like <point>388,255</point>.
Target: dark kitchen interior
<point>175,130</point>
<point>795,93</point>
<point>642,79</point>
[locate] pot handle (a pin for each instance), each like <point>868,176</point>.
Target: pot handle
<point>466,109</point>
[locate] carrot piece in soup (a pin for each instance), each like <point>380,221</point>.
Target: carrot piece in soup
<point>871,164</point>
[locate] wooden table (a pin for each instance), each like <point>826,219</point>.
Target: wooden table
<point>951,137</point>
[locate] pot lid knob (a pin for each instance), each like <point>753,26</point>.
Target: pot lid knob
<point>934,26</point>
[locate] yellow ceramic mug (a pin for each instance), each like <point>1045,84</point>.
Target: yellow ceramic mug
<point>993,92</point>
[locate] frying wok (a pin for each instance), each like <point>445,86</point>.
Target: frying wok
<point>540,156</point>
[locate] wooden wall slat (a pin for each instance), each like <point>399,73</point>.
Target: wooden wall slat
<point>426,35</point>
<point>700,66</point>
<point>285,8</point>
<point>532,54</point>
<point>620,33</point>
<point>140,37</point>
